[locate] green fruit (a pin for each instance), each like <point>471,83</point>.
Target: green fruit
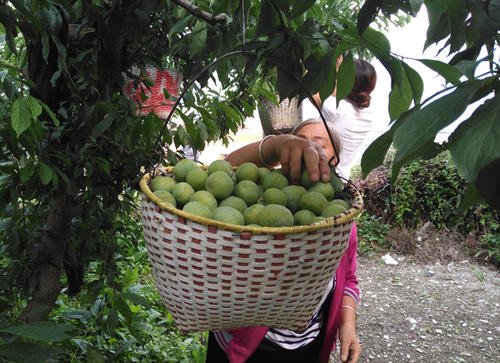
<point>303,217</point>
<point>235,202</point>
<point>274,179</point>
<point>337,183</point>
<point>228,215</point>
<point>252,213</point>
<point>263,172</point>
<point>182,192</point>
<point>293,195</point>
<point>161,182</point>
<point>247,171</point>
<point>248,191</point>
<point>196,178</point>
<point>305,181</point>
<point>313,201</point>
<point>198,209</point>
<point>318,219</point>
<point>341,202</point>
<point>166,197</point>
<point>275,215</point>
<point>219,184</point>
<point>220,165</point>
<point>182,168</point>
<point>274,196</point>
<point>332,209</point>
<point>324,188</point>
<point>204,197</point>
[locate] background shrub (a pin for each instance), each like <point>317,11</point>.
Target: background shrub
<point>430,191</point>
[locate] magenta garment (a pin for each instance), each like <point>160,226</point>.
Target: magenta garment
<point>239,344</point>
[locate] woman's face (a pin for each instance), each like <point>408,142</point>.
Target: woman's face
<point>317,133</point>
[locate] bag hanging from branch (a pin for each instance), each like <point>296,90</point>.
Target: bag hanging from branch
<point>158,97</point>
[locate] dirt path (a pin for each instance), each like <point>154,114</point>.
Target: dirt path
<point>413,312</point>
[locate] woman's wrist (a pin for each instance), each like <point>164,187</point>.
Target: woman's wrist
<point>263,155</point>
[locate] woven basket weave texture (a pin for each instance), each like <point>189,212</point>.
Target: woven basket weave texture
<point>215,278</point>
<point>279,119</point>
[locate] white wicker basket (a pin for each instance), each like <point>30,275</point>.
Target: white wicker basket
<point>279,119</point>
<point>213,275</point>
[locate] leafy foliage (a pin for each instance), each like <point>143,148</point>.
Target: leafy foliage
<point>467,28</point>
<point>72,145</point>
<point>426,190</point>
<point>121,318</point>
<point>372,233</point>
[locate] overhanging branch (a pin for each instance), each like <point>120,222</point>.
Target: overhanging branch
<point>202,14</point>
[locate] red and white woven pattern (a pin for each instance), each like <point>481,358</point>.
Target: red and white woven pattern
<point>152,98</point>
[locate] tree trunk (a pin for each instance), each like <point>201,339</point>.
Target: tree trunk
<point>45,283</point>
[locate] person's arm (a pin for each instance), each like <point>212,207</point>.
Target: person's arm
<point>288,150</point>
<point>350,348</point>
<point>317,99</point>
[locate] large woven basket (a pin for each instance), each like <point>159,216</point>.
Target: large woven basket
<point>279,119</point>
<point>214,275</point>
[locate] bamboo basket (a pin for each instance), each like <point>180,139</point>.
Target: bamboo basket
<point>213,275</point>
<point>279,119</point>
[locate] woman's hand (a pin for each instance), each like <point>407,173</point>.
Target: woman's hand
<point>291,150</point>
<point>350,348</point>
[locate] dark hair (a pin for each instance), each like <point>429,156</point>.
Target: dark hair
<point>366,78</point>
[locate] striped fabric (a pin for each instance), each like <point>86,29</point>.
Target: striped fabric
<point>289,339</point>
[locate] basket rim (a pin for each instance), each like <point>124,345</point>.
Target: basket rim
<point>346,216</point>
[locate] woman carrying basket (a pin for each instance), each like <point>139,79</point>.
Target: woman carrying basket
<point>335,317</point>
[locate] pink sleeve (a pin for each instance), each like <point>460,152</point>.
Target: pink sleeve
<point>351,284</point>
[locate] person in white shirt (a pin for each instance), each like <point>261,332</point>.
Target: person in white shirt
<point>353,117</point>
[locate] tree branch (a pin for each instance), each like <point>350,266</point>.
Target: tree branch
<point>202,14</point>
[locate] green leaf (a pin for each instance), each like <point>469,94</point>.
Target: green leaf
<point>416,83</point>
<point>112,321</point>
<point>375,153</point>
<point>19,351</point>
<point>51,114</point>
<point>102,126</point>
<point>180,26</point>
<point>26,170</point>
<point>466,67</point>
<point>300,6</point>
<point>438,22</point>
<point>198,38</point>
<point>45,172</point>
<point>315,79</point>
<point>401,93</point>
<point>122,306</point>
<point>44,331</point>
<point>82,315</point>
<point>268,19</point>
<point>450,73</point>
<point>419,129</point>
<point>377,43</point>
<point>345,77</point>
<point>136,298</point>
<point>470,197</point>
<point>476,142</point>
<point>21,116</point>
<point>457,16</point>
<point>488,183</point>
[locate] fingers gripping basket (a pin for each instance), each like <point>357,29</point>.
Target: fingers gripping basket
<point>213,275</point>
